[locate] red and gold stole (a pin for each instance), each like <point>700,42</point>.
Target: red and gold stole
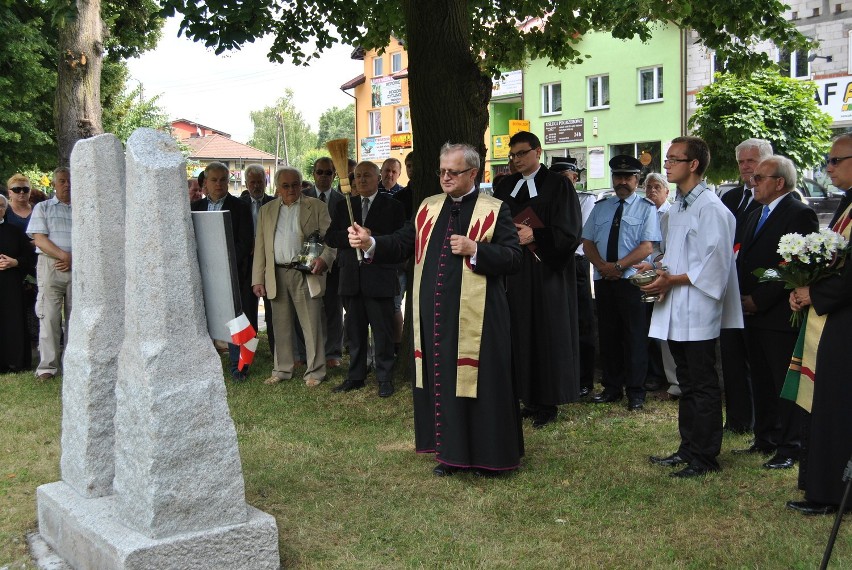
<point>472,294</point>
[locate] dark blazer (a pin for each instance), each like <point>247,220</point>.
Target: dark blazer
<point>266,198</point>
<point>368,279</point>
<point>334,198</point>
<point>243,231</point>
<point>732,199</point>
<point>761,252</point>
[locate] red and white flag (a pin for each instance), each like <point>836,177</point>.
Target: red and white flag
<point>244,336</point>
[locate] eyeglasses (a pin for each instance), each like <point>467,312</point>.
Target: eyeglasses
<point>676,160</point>
<point>320,172</point>
<point>835,160</point>
<point>758,178</point>
<point>20,189</point>
<point>520,153</point>
<point>441,172</point>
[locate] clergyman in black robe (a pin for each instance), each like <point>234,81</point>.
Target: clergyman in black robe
<point>16,259</point>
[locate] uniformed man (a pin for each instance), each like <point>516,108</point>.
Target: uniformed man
<point>619,234</point>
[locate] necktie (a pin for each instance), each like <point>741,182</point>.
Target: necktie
<point>744,202</point>
<point>322,196</point>
<point>763,216</point>
<point>612,242</point>
<point>365,208</point>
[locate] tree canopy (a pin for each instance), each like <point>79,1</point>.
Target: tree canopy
<point>295,137</point>
<point>765,105</point>
<point>337,123</point>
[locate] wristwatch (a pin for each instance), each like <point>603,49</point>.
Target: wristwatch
<point>619,267</point>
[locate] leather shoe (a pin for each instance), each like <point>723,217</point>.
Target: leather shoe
<point>332,363</point>
<point>584,392</point>
<point>779,462</point>
<point>238,376</point>
<point>541,419</point>
<point>606,397</point>
<point>754,448</point>
<point>670,461</point>
<point>635,404</point>
<point>812,508</point>
<point>385,389</point>
<point>444,470</point>
<point>45,377</point>
<point>692,471</point>
<point>348,386</point>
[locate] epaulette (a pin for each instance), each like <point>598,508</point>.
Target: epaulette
<point>604,199</point>
<point>649,201</point>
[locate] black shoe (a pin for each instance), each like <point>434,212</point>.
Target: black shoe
<point>812,508</point>
<point>238,376</point>
<point>606,397</point>
<point>541,419</point>
<point>635,404</point>
<point>348,386</point>
<point>754,448</point>
<point>692,471</point>
<point>656,385</point>
<point>779,462</point>
<point>584,392</point>
<point>527,412</point>
<point>444,470</point>
<point>670,461</point>
<point>385,389</point>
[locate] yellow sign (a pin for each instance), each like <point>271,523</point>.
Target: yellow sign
<point>500,146</point>
<point>518,126</point>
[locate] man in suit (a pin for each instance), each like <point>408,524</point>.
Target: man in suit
<point>367,289</point>
<point>282,227</point>
<point>332,305</point>
<point>739,407</point>
<point>769,337</point>
<point>391,169</point>
<point>216,177</point>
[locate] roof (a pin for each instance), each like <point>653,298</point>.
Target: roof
<point>223,148</point>
<point>354,82</point>
<point>195,124</point>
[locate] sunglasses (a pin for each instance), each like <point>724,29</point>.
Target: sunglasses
<point>20,189</point>
<point>320,172</point>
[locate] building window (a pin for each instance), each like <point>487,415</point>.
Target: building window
<point>599,92</point>
<point>402,120</point>
<point>375,119</point>
<point>396,62</point>
<point>651,84</point>
<point>794,64</point>
<point>649,154</point>
<point>551,99</point>
<point>378,67</point>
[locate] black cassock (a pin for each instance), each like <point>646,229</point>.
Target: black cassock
<point>15,347</point>
<point>829,446</point>
<point>543,295</point>
<point>466,432</point>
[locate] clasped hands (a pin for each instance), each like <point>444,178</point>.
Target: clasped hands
<point>659,286</point>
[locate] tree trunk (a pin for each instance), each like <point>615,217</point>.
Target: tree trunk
<point>449,98</point>
<point>78,90</point>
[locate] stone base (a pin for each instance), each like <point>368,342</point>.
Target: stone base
<point>86,534</point>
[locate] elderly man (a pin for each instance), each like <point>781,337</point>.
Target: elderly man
<point>619,234</point>
<point>255,183</point>
<point>769,337</point>
<point>50,230</point>
<point>543,295</point>
<point>700,296</point>
<point>283,226</point>
<point>332,305</point>
<point>367,289</point>
<point>465,410</point>
<point>739,405</point>
<point>391,169</point>
<point>194,189</point>
<point>216,178</point>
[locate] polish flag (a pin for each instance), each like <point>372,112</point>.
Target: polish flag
<point>241,330</point>
<point>247,354</point>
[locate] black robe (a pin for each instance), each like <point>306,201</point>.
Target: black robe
<point>15,351</point>
<point>543,295</point>
<point>829,446</point>
<point>465,432</point>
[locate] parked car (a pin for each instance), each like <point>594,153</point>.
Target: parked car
<point>823,199</point>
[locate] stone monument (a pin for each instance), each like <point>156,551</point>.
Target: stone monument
<point>177,497</point>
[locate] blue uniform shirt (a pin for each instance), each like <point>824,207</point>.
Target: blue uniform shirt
<point>638,223</point>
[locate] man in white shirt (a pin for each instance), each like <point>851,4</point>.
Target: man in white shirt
<point>701,296</point>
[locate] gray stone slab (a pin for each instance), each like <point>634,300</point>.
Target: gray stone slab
<point>217,261</point>
<point>96,328</point>
<point>88,537</point>
<point>177,465</point>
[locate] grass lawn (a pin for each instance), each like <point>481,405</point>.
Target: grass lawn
<point>339,473</point>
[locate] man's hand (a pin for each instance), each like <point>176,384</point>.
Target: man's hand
<point>749,308</point>
<point>259,290</point>
<point>319,266</point>
<point>359,237</point>
<point>661,285</point>
<point>608,271</point>
<point>525,234</point>
<point>800,297</point>
<point>7,262</point>
<point>462,245</point>
<point>64,263</point>
<point>644,266</point>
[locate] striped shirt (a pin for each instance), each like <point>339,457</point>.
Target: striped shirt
<point>53,219</point>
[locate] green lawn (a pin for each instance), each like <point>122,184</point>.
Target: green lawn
<point>339,473</point>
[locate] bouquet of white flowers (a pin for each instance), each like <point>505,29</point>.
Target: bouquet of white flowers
<point>806,259</point>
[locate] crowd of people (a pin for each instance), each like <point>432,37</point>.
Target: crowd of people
<point>503,312</point>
